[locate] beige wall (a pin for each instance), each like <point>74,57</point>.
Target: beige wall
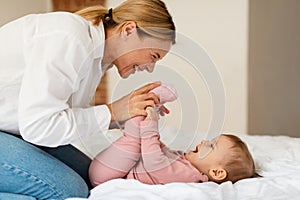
<point>12,9</point>
<point>274,67</point>
<point>221,28</point>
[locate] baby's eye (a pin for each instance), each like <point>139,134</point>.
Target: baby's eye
<point>212,145</point>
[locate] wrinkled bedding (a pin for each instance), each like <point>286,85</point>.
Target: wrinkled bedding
<point>277,159</point>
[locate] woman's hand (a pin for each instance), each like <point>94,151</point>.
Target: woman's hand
<point>135,103</point>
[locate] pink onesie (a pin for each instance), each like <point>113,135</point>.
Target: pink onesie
<point>139,154</point>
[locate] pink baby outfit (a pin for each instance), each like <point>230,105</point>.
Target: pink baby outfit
<point>139,154</point>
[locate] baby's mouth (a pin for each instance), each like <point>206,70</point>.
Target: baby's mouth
<point>196,150</point>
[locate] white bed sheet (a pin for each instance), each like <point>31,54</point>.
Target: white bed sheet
<point>277,159</point>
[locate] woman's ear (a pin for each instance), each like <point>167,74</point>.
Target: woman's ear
<point>218,174</point>
<point>128,28</point>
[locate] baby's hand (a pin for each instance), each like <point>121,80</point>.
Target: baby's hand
<point>152,114</point>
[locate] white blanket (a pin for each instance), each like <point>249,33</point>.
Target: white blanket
<point>277,159</point>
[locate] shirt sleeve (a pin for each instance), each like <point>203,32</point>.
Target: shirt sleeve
<point>54,70</point>
<point>118,159</point>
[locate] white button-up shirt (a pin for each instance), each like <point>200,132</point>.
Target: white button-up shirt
<point>50,66</point>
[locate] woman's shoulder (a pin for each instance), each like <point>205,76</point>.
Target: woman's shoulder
<point>62,17</point>
<point>60,22</point>
<point>63,21</point>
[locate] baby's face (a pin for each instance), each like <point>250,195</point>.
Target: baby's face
<point>209,154</point>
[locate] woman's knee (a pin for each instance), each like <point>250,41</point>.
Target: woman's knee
<point>77,188</point>
<point>30,171</point>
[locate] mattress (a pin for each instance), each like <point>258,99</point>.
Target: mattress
<point>277,160</point>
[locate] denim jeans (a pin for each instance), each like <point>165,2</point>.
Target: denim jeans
<point>30,171</point>
<point>10,196</point>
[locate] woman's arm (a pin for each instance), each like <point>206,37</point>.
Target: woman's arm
<point>53,109</point>
<point>134,104</point>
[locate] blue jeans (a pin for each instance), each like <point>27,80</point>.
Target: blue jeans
<point>30,172</point>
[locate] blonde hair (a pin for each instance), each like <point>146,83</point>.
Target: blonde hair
<point>240,164</point>
<point>151,17</point>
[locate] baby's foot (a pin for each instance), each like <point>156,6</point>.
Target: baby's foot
<point>165,93</point>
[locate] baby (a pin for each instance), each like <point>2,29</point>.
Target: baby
<point>139,154</point>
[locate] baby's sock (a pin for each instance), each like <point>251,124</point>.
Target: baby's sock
<point>165,92</point>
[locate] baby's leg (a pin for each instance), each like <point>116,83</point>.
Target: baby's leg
<point>117,160</point>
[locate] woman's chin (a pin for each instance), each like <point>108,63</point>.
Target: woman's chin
<point>127,74</point>
<point>125,77</point>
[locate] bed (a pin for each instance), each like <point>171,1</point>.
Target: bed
<point>277,160</point>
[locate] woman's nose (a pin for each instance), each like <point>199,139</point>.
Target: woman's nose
<point>150,67</point>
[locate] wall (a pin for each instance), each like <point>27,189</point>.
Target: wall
<point>274,67</point>
<point>221,28</point>
<point>13,9</point>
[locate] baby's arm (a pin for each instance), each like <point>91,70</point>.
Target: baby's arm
<point>153,157</point>
<point>151,147</point>
<point>161,163</point>
<point>118,159</point>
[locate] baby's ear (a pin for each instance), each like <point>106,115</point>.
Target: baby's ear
<point>218,174</point>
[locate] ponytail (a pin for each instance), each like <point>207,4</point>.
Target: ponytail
<point>151,17</point>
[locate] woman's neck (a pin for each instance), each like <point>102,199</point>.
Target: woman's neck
<point>111,47</point>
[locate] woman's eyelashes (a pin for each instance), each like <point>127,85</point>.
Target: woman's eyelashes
<point>155,57</point>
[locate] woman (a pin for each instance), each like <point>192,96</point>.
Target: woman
<point>50,67</point>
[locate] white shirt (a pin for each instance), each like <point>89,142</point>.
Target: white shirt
<point>50,66</point>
